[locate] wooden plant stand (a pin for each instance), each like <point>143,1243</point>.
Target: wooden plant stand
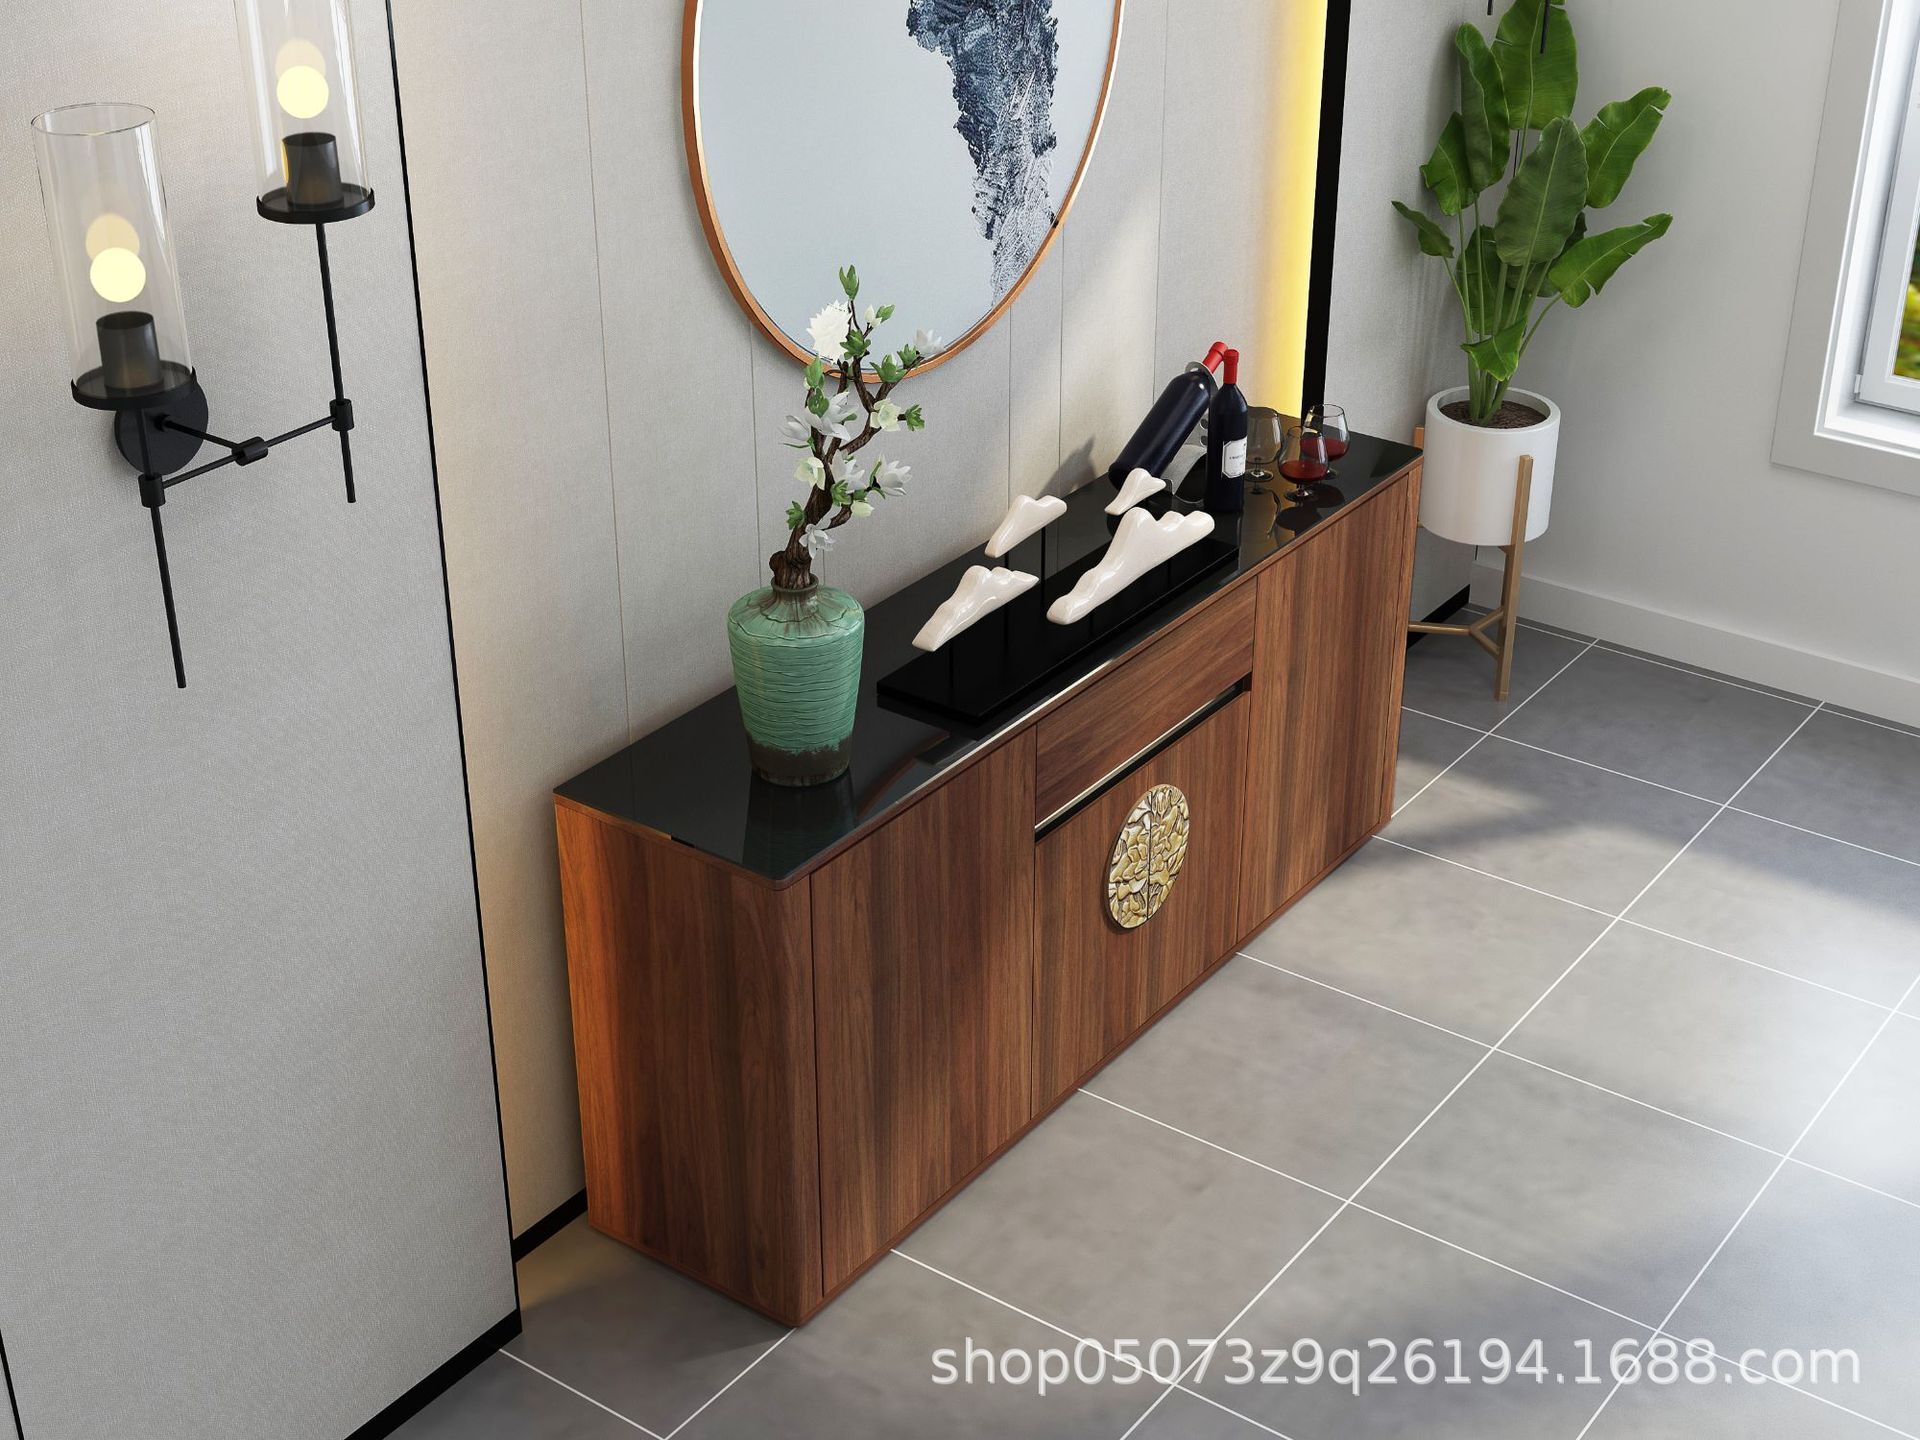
<point>1507,614</point>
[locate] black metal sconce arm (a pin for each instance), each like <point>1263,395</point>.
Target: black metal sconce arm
<point>138,429</point>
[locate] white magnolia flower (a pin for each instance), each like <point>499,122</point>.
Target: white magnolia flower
<point>844,418</point>
<point>810,472</point>
<point>849,471</point>
<point>926,342</point>
<point>861,508</point>
<point>891,478</point>
<point>886,415</point>
<point>870,314</point>
<point>817,539</point>
<point>797,430</point>
<point>828,330</point>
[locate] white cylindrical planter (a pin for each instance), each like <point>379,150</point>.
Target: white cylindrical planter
<point>1469,473</point>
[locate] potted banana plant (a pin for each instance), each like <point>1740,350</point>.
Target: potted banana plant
<point>1514,134</point>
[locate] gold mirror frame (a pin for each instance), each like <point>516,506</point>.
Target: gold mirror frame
<point>717,240</point>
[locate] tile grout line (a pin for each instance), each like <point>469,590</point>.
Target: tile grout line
<point>1522,1059</point>
<point>1608,769</point>
<point>1382,1215</point>
<point>1641,924</point>
<point>1766,1184</point>
<point>581,1394</point>
<point>1132,1364</point>
<point>1549,1069</point>
<point>1477,1064</point>
<point>1822,835</point>
<point>1624,775</point>
<point>1383,839</point>
<point>1765,1378</point>
<point>1654,1331</point>
<point>1613,649</point>
<point>1894,726</point>
<point>1485,733</point>
<point>728,1386</point>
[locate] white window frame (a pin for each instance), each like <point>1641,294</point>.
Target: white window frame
<point>1823,424</point>
<point>1878,385</point>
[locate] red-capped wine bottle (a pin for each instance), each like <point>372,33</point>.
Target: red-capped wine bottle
<point>1227,425</point>
<point>1170,421</point>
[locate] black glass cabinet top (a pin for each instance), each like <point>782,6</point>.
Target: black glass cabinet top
<point>690,780</point>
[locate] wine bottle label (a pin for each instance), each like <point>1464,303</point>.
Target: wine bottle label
<point>1233,458</point>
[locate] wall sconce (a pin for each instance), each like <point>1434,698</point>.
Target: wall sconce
<point>113,247</point>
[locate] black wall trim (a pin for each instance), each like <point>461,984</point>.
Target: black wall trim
<point>1326,202</point>
<point>439,1382</point>
<point>453,659</point>
<point>13,1403</point>
<point>544,1229</point>
<point>1446,610</point>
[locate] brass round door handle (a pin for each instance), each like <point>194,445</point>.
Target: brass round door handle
<point>1148,855</point>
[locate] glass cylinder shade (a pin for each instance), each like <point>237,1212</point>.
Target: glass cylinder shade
<point>308,155</point>
<point>113,251</point>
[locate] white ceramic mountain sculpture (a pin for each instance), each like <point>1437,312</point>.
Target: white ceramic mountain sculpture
<point>1138,487</point>
<point>1030,515</point>
<point>1140,544</point>
<point>981,592</point>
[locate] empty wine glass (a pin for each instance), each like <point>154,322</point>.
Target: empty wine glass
<point>1332,423</point>
<point>1305,463</point>
<point>1266,437</point>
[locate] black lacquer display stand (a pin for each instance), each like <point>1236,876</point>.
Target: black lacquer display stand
<point>990,667</point>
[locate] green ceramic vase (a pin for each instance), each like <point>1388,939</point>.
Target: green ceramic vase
<point>796,664</point>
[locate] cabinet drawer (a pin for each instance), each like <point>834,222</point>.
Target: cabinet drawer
<point>1096,983</point>
<point>1094,734</point>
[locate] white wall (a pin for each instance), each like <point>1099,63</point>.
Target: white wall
<point>608,419</point>
<point>1394,331</point>
<point>1672,528</point>
<point>249,1164</point>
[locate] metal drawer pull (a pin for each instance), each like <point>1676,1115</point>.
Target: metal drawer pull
<point>1148,855</point>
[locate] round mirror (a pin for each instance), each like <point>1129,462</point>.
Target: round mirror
<point>934,144</point>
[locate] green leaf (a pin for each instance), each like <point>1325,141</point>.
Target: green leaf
<point>1433,240</point>
<point>817,401</point>
<point>913,419</point>
<point>1586,267</point>
<point>1483,110</point>
<point>883,314</point>
<point>841,494</point>
<point>1538,212</point>
<point>1447,173</point>
<point>850,282</point>
<point>891,371</point>
<point>909,357</point>
<point>855,345</point>
<point>1537,276</point>
<point>1499,355</point>
<point>1539,87</point>
<point>816,373</point>
<point>1614,139</point>
<point>796,516</point>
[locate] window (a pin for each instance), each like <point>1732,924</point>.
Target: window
<point>1890,360</point>
<point>1850,388</point>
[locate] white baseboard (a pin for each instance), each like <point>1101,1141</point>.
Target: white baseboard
<point>1746,657</point>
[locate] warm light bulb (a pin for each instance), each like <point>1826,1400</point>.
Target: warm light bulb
<point>111,232</point>
<point>117,275</point>
<point>302,92</point>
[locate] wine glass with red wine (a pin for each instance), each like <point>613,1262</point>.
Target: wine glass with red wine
<point>1305,463</point>
<point>1332,423</point>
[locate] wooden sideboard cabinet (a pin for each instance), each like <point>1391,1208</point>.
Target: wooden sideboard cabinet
<point>804,1019</point>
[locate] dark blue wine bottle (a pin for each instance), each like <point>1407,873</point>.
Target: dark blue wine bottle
<point>1170,421</point>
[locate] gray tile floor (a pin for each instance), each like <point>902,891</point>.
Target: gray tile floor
<point>1611,1041</point>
